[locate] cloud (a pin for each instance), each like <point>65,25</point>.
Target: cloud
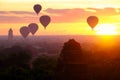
<point>17,12</point>
<point>3,12</point>
<point>79,14</point>
<point>22,12</point>
<point>17,19</point>
<point>57,15</point>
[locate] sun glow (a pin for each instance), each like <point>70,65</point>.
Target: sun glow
<point>106,29</point>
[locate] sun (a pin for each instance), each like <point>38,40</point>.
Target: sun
<point>106,29</point>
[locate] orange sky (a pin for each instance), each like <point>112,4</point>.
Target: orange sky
<point>68,17</point>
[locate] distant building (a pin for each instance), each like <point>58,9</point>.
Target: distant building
<point>71,64</point>
<point>10,34</point>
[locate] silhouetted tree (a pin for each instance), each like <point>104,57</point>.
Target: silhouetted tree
<point>43,68</point>
<point>14,63</point>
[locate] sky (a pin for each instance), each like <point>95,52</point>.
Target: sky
<point>68,17</point>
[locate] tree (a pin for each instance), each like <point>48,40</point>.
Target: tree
<point>14,63</point>
<point>43,68</point>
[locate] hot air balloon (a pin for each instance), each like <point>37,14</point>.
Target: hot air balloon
<point>37,8</point>
<point>45,20</point>
<point>24,31</point>
<point>92,21</point>
<point>33,27</point>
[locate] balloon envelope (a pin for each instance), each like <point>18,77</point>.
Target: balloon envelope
<point>45,20</point>
<point>33,27</point>
<point>92,21</point>
<point>24,31</point>
<point>37,8</point>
